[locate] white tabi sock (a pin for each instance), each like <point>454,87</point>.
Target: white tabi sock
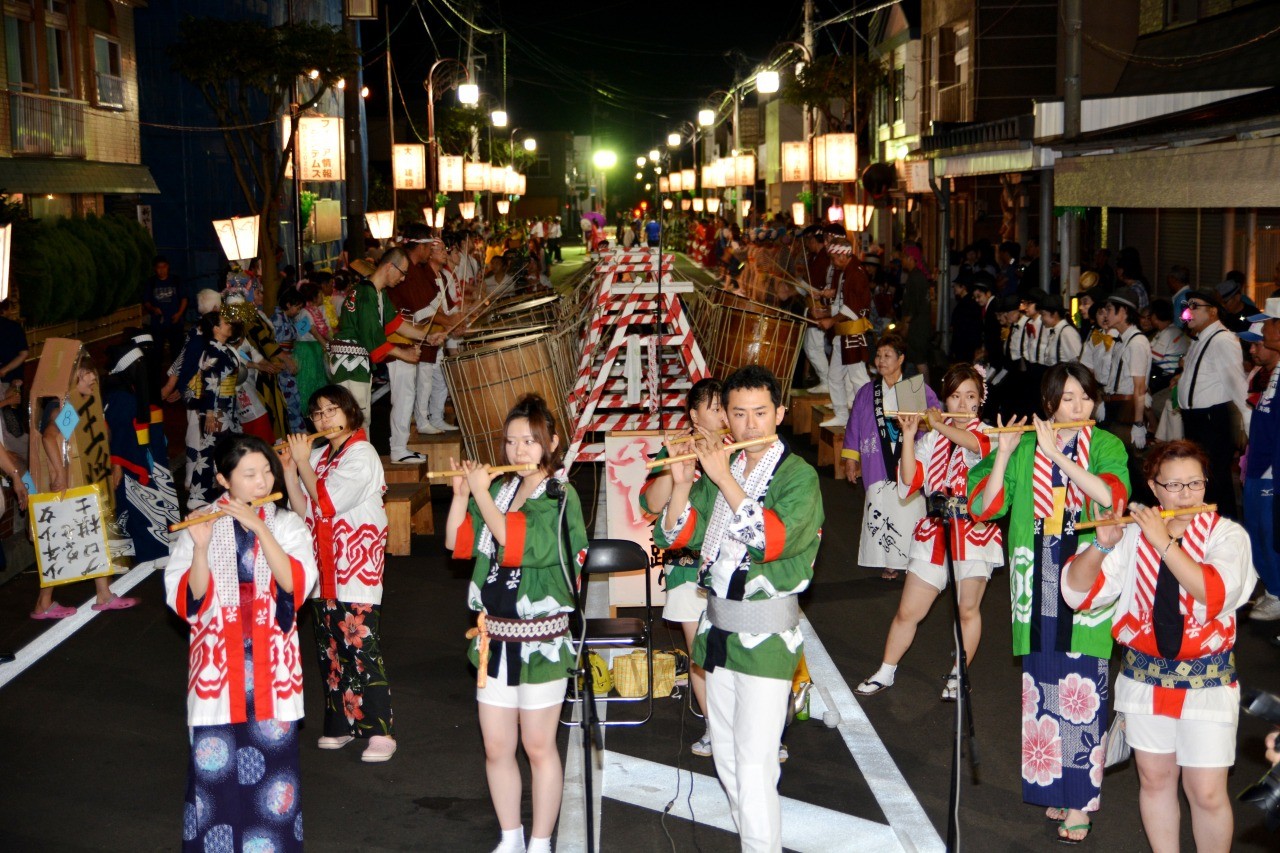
<point>539,845</point>
<point>512,841</point>
<point>884,675</point>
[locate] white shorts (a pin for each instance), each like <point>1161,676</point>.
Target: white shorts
<point>526,697</point>
<point>1196,743</point>
<point>936,576</point>
<point>685,603</point>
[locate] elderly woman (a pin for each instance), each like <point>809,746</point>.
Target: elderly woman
<point>872,448</point>
<point>1177,584</point>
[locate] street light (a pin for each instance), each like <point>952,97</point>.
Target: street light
<point>673,140</point>
<point>499,118</point>
<point>604,160</point>
<point>706,118</point>
<point>470,96</point>
<point>640,161</point>
<point>767,82</point>
<point>530,144</point>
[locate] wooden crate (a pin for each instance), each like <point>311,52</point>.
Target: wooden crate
<point>830,443</point>
<point>411,472</point>
<point>408,512</point>
<point>802,406</point>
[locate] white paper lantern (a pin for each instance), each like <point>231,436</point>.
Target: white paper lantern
<point>450,174</point>
<point>503,206</point>
<point>664,185</point>
<point>685,204</point>
<point>409,164</point>
<point>698,205</point>
<point>689,179</point>
<point>857,216</point>
<point>238,236</point>
<point>667,204</point>
<point>676,181</point>
<point>713,205</point>
<point>475,177</point>
<point>835,213</point>
<point>798,213</point>
<point>467,209</point>
<point>744,167</point>
<point>840,156</point>
<point>381,223</point>
<point>795,161</point>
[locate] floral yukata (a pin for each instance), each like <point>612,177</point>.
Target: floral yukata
<point>1064,654</point>
<point>523,579</point>
<point>349,525</point>
<point>244,691</point>
<point>216,376</point>
<point>287,338</point>
<point>873,438</point>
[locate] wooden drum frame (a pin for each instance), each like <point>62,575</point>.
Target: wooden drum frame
<point>742,332</point>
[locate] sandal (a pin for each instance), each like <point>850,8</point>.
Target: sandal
<point>870,687</point>
<point>889,575</point>
<point>116,602</point>
<point>1062,827</point>
<point>1056,818</point>
<point>55,611</point>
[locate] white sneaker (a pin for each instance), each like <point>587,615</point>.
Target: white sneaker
<point>1266,608</point>
<point>327,742</point>
<point>950,687</point>
<point>820,388</point>
<point>834,422</point>
<point>702,746</point>
<point>429,430</point>
<point>444,427</point>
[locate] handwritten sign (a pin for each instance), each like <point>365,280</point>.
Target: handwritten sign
<point>624,456</point>
<point>70,535</point>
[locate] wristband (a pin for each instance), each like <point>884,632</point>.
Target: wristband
<point>1163,553</point>
<point>1103,548</point>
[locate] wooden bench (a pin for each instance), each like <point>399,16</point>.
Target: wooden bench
<point>819,414</point>
<point>830,443</point>
<point>409,472</point>
<point>802,406</point>
<point>408,508</point>
<point>438,449</point>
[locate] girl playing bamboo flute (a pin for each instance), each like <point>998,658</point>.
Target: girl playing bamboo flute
<point>524,594</point>
<point>1176,584</point>
<point>1048,480</point>
<point>938,464</point>
<point>339,488</point>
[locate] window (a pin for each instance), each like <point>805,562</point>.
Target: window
<point>20,54</point>
<point>106,68</point>
<point>539,168</point>
<point>56,7</point>
<point>1181,11</point>
<point>899,94</point>
<point>61,71</point>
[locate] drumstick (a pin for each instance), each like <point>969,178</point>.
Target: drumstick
<point>201,519</point>
<point>956,415</point>
<point>688,457</point>
<point>282,447</point>
<point>500,469</point>
<point>1164,513</point>
<point>1031,427</point>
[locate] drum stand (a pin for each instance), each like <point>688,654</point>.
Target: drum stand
<point>947,511</point>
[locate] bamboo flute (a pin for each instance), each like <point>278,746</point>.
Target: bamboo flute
<point>1032,427</point>
<point>201,519</point>
<point>1164,513</point>
<point>282,447</point>
<point>499,469</point>
<point>688,457</point>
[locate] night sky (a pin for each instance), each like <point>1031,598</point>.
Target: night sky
<point>627,73</point>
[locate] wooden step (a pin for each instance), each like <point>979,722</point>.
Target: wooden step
<point>802,406</point>
<point>819,414</point>
<point>408,508</point>
<point>830,443</point>
<point>409,472</point>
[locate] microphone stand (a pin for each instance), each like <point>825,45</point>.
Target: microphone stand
<point>948,510</point>
<point>590,722</point>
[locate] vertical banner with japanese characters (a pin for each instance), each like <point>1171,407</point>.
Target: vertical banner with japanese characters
<point>320,148</point>
<point>69,531</point>
<point>625,453</point>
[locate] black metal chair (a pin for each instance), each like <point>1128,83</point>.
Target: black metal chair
<point>605,557</point>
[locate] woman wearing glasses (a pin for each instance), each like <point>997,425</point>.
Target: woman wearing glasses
<point>1176,584</point>
<point>338,488</point>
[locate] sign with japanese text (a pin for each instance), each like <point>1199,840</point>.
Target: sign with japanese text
<point>69,530</point>
<point>319,148</point>
<point>409,162</point>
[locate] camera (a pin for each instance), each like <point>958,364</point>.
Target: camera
<point>1265,793</point>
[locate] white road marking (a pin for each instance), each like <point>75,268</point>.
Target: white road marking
<point>50,639</point>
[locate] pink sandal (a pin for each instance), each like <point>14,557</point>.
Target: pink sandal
<point>115,602</point>
<point>55,611</point>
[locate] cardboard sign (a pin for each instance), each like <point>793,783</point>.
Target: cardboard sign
<point>70,534</point>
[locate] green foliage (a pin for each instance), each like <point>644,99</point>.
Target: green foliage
<point>826,86</point>
<point>108,265</point>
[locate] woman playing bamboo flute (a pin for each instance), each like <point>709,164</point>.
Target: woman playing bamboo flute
<point>938,465</point>
<point>1176,585</point>
<point>523,588</point>
<point>339,486</point>
<point>240,581</point>
<point>1048,480</point>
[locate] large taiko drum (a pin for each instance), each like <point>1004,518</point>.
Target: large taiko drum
<point>486,382</point>
<point>744,332</point>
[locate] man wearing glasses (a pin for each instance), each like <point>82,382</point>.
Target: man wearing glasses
<point>1259,473</point>
<point>368,319</point>
<point>1211,385</point>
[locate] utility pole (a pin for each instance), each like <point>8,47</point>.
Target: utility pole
<point>391,128</point>
<point>353,112</point>
<point>807,111</point>
<point>1073,22</point>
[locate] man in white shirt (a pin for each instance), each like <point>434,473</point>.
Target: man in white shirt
<point>1024,399</point>
<point>1059,341</point>
<point>1212,383</point>
<point>554,234</point>
<point>1096,354</point>
<point>1126,392</point>
<point>1032,344</point>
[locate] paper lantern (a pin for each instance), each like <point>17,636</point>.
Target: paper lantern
<point>238,236</point>
<point>767,82</point>
<point>698,205</point>
<point>440,218</point>
<point>840,158</point>
<point>467,209</point>
<point>835,213</point>
<point>6,243</point>
<point>437,216</point>
<point>745,207</point>
<point>713,205</point>
<point>503,206</point>
<point>475,177</point>
<point>857,216</point>
<point>798,213</point>
<point>676,181</point>
<point>795,161</point>
<point>450,174</point>
<point>685,204</point>
<point>409,164</point>
<point>522,184</point>
<point>744,167</point>
<point>689,179</point>
<point>819,160</point>
<point>667,204</point>
<point>319,148</point>
<point>382,223</point>
<point>664,185</point>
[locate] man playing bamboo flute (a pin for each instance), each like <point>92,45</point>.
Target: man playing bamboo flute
<point>756,518</point>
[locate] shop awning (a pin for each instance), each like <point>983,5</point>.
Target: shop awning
<point>35,176</point>
<point>1239,173</point>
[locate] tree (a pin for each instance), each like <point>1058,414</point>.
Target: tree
<point>826,86</point>
<point>245,70</point>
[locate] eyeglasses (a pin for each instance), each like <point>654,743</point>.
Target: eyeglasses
<point>325,413</point>
<point>1196,306</point>
<point>1174,488</point>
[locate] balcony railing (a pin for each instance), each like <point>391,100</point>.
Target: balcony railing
<point>110,91</point>
<point>49,126</point>
<point>945,135</point>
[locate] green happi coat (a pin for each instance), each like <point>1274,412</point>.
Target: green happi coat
<point>368,317</point>
<point>531,545</point>
<point>1090,631</point>
<point>683,569</point>
<point>792,531</point>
